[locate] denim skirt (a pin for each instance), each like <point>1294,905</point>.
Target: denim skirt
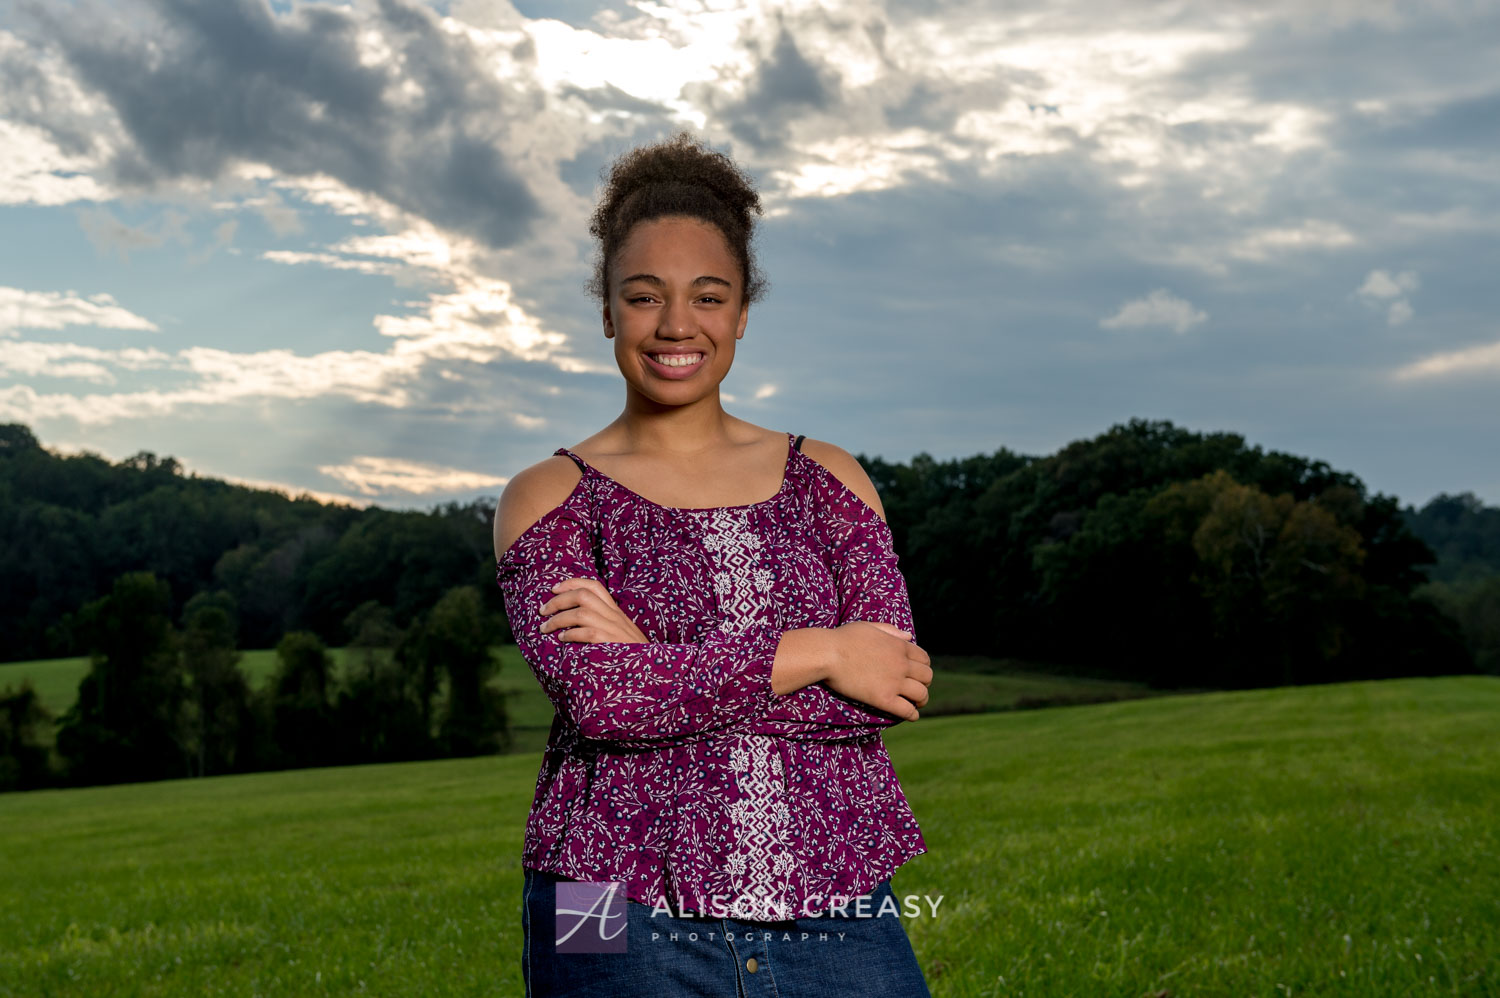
<point>625,949</point>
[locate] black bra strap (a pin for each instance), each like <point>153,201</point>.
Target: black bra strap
<point>575,458</point>
<point>798,445</point>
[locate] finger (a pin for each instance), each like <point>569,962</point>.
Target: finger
<point>915,692</point>
<point>577,596</point>
<point>569,617</point>
<point>920,671</point>
<point>591,586</point>
<point>901,707</point>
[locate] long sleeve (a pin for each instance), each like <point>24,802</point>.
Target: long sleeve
<point>633,694</point>
<point>870,587</point>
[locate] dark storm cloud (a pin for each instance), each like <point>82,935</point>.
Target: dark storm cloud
<point>204,84</point>
<point>786,84</point>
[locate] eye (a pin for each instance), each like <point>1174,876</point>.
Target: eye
<point>636,299</point>
<point>712,298</point>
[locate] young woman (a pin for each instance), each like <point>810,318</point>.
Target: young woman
<point>715,611</point>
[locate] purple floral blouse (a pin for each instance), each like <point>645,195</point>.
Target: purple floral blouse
<point>671,767</point>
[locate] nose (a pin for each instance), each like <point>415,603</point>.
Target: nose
<point>677,320</point>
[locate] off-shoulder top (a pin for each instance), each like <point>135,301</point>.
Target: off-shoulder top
<point>671,766</point>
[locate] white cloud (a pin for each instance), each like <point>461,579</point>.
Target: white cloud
<point>1312,234</point>
<point>1454,363</point>
<point>20,309</point>
<point>1389,290</point>
<point>34,171</point>
<point>294,491</point>
<point>1381,284</point>
<point>1159,308</point>
<point>373,476</point>
<point>478,322</point>
<point>419,252</point>
<point>335,261</point>
<point>84,363</point>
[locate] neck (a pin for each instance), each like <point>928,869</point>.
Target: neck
<point>647,426</point>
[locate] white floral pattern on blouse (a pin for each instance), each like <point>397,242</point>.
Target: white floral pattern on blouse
<point>671,766</point>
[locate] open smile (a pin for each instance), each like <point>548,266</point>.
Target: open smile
<point>676,366</point>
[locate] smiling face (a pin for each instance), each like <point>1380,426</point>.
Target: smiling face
<point>675,309</point>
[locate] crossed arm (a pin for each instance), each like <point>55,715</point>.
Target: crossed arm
<point>636,693</point>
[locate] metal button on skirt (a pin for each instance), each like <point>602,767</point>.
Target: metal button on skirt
<point>606,946</point>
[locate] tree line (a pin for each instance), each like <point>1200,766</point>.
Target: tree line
<point>1157,554</point>
<point>163,700</point>
<point>70,525</point>
<point>1149,553</point>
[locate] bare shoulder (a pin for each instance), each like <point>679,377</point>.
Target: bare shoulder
<point>842,465</point>
<point>529,495</point>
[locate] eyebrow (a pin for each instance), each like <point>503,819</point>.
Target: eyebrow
<point>653,279</point>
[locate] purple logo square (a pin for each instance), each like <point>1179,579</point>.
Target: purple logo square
<point>591,917</point>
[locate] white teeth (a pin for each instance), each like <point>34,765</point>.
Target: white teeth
<point>677,360</point>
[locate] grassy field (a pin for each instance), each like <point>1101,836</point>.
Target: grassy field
<point>1330,840</point>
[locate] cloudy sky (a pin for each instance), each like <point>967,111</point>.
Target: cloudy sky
<point>341,248</point>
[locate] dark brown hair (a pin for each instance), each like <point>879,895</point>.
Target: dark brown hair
<point>678,176</point>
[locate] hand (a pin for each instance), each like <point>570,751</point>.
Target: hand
<point>588,613</point>
<point>877,664</point>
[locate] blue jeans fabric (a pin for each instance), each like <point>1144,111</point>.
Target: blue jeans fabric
<point>831,955</point>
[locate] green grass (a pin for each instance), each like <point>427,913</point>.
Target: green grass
<point>1329,840</point>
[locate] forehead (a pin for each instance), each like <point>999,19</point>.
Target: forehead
<point>677,241</point>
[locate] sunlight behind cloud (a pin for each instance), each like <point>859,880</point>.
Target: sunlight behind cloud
<point>1034,171</point>
<point>33,170</point>
<point>477,323</point>
<point>379,476</point>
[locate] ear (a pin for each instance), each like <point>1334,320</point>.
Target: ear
<point>739,332</point>
<point>609,323</point>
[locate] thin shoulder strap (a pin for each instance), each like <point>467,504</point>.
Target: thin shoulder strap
<point>576,459</point>
<point>798,445</point>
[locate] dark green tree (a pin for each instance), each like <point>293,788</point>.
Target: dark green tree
<point>129,721</point>
<point>24,760</point>
<point>221,722</point>
<point>372,635</point>
<point>455,637</point>
<point>302,712</point>
<point>380,714</point>
<point>1474,605</point>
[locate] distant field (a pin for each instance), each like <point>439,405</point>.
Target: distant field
<point>969,686</point>
<point>1327,840</point>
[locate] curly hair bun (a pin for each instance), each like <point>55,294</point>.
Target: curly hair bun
<point>680,176</point>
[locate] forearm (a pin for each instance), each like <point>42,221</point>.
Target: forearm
<point>804,708</point>
<point>640,694</point>
<point>804,656</point>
